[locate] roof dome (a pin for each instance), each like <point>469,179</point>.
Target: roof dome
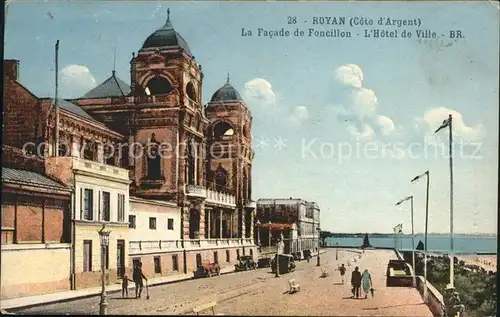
<point>226,93</point>
<point>166,37</point>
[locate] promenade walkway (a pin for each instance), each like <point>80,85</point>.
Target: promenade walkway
<point>259,292</point>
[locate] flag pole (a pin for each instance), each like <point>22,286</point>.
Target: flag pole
<point>425,238</point>
<point>56,105</point>
<point>452,259</point>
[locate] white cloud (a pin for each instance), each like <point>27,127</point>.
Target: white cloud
<point>367,132</point>
<point>434,117</point>
<point>362,105</point>
<point>259,91</point>
<point>386,124</point>
<point>350,75</point>
<point>364,102</point>
<point>299,115</point>
<point>76,80</point>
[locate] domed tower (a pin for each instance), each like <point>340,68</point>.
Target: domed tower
<point>229,154</point>
<point>167,121</point>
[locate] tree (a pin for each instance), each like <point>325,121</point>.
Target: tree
<point>366,242</point>
<point>420,246</point>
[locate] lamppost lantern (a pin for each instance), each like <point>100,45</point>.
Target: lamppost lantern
<point>104,239</point>
<point>257,226</point>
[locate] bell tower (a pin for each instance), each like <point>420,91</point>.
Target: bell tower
<point>167,122</point>
<point>229,151</point>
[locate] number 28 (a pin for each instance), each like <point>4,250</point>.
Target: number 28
<point>292,20</point>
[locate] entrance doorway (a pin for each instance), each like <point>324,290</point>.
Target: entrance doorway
<point>120,259</point>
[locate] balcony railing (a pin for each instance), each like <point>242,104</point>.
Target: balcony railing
<point>150,246</point>
<point>196,191</point>
<point>250,204</point>
<point>219,198</point>
<point>157,246</point>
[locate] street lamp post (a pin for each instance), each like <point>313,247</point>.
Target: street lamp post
<point>257,225</point>
<point>337,251</point>
<point>319,263</point>
<point>104,238</point>
<point>426,226</point>
<point>412,236</point>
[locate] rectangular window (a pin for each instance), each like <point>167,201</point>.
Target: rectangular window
<point>216,257</point>
<point>121,208</point>
<point>228,256</point>
<point>105,206</point>
<point>88,204</point>
<point>87,255</point>
<point>157,261</point>
<point>170,224</point>
<point>131,221</point>
<point>152,223</point>
<point>198,259</point>
<point>237,254</point>
<point>175,262</point>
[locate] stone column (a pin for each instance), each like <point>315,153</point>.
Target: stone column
<point>220,222</point>
<point>201,208</point>
<point>131,150</point>
<point>251,225</point>
<point>100,152</point>
<point>208,211</point>
<point>232,224</point>
<point>243,223</point>
<point>74,146</point>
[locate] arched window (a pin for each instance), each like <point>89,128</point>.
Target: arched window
<point>194,224</point>
<point>191,92</point>
<point>158,86</point>
<point>223,129</point>
<point>154,159</point>
<point>191,166</point>
<point>109,154</point>
<point>220,179</point>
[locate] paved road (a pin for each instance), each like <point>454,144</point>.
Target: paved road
<point>260,293</point>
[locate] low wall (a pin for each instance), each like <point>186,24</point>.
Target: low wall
<point>32,269</point>
<point>434,297</point>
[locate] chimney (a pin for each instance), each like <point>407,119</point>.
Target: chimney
<point>11,68</point>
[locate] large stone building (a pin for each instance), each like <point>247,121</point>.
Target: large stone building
<point>76,154</point>
<point>180,152</point>
<point>294,220</point>
<point>169,177</point>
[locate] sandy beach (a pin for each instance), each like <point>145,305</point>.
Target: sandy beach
<point>488,262</point>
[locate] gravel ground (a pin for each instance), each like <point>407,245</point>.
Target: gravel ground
<point>259,292</point>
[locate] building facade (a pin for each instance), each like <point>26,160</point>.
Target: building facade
<point>181,152</point>
<point>294,220</point>
<point>36,248</point>
<point>170,177</point>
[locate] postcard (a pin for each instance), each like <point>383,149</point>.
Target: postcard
<point>333,158</point>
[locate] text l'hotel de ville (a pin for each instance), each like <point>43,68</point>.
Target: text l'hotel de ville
<point>348,27</point>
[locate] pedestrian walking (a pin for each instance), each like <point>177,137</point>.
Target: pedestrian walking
<point>125,281</point>
<point>366,282</point>
<point>356,282</point>
<point>342,273</point>
<point>138,276</point>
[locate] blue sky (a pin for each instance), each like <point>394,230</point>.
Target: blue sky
<point>343,122</point>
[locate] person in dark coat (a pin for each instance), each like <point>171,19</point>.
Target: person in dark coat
<point>356,282</point>
<point>138,276</point>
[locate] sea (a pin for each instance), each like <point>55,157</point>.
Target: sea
<point>462,244</point>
